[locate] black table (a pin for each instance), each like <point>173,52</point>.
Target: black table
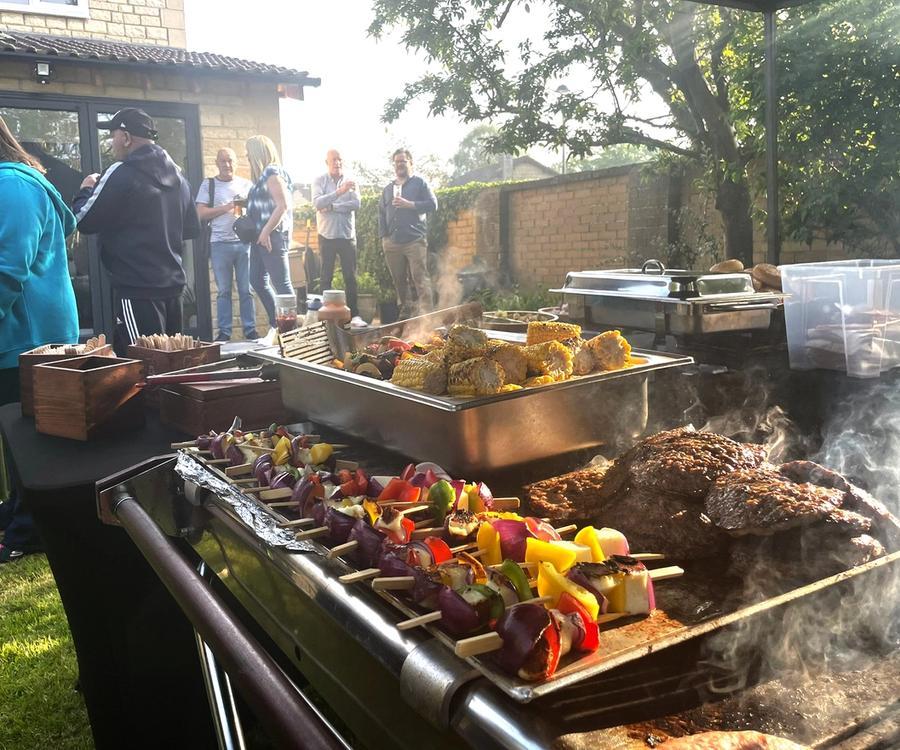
<point>137,658</point>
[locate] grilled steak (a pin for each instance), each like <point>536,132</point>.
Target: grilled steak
<point>685,462</point>
<point>763,501</point>
<point>659,523</point>
<point>885,525</point>
<point>577,495</point>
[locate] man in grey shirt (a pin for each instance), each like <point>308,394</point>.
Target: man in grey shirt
<point>227,253</point>
<point>336,200</point>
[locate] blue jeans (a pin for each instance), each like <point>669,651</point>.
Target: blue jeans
<point>270,273</point>
<point>227,257</point>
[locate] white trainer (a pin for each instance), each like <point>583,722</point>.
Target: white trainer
<point>358,322</point>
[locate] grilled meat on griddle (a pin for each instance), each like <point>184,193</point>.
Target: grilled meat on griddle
<point>764,501</point>
<point>685,462</point>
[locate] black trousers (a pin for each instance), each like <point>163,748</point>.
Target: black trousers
<point>346,251</point>
<point>15,520</point>
<point>143,317</point>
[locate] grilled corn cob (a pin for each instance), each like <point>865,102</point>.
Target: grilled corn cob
<point>475,377</point>
<point>583,361</point>
<point>550,358</point>
<point>610,349</point>
<point>540,331</point>
<point>419,373</point>
<point>539,380</point>
<point>511,358</point>
<point>464,342</point>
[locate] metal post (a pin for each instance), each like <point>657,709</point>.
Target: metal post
<point>773,240</point>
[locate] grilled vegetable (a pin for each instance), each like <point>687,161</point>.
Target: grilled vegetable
<point>552,583</point>
<point>550,358</point>
<point>624,581</point>
<point>441,497</point>
<point>589,538</point>
<point>419,373</point>
<point>512,570</point>
<point>511,358</point>
<point>540,331</point>
<point>475,377</point>
<point>611,351</point>
<point>464,342</point>
<point>530,642</point>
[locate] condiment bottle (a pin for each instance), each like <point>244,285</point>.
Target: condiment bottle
<point>335,307</point>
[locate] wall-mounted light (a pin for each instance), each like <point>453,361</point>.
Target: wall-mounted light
<point>43,71</point>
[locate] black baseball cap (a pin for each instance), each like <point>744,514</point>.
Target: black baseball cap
<point>131,120</point>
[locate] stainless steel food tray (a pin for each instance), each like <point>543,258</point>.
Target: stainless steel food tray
<point>472,435</point>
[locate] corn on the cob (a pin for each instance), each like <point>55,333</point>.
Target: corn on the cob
<point>464,342</point>
<point>540,331</point>
<point>610,349</point>
<point>475,377</point>
<point>511,358</point>
<point>539,380</point>
<point>510,387</point>
<point>583,361</point>
<point>419,373</point>
<point>550,358</point>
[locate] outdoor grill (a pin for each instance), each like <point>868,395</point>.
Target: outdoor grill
<point>649,679</point>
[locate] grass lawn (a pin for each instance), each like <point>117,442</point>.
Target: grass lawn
<point>39,707</point>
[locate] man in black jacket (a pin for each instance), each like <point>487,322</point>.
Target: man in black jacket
<point>143,210</point>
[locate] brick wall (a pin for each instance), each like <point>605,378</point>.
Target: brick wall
<point>140,21</point>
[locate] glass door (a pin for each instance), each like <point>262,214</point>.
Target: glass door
<point>53,137</point>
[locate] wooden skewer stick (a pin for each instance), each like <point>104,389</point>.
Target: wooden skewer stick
<point>360,575</point>
<point>280,494</point>
<point>257,448</point>
<point>567,529</point>
<point>185,444</point>
<point>648,556</point>
<point>664,574</point>
<point>463,548</point>
<point>393,583</point>
<point>533,600</point>
<point>311,533</point>
<point>218,461</point>
<point>297,522</point>
<point>250,480</point>
<point>487,642</point>
<point>421,533</point>
<point>340,549</point>
<point>284,504</point>
<point>420,620</point>
<point>239,470</point>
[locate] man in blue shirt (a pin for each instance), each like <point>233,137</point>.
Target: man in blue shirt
<point>405,202</point>
<point>336,199</point>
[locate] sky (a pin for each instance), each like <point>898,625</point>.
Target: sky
<point>329,40</point>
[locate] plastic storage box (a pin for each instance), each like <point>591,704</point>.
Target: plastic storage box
<point>843,315</point>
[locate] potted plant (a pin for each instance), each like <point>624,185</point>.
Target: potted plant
<point>367,295</point>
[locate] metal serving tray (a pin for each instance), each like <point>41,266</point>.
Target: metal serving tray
<point>468,436</point>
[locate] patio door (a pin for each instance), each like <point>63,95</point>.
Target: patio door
<point>62,133</point>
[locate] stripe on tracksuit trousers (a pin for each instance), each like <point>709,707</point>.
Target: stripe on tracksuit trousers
<point>143,317</point>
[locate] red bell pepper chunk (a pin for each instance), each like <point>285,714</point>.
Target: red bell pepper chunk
<point>568,604</point>
<point>393,489</point>
<point>410,494</point>
<point>344,475</point>
<point>409,526</point>
<point>440,552</point>
<point>362,482</point>
<point>551,635</point>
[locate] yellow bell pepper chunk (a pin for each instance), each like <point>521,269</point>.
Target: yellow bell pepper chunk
<point>554,584</point>
<point>282,451</point>
<point>539,551</point>
<point>488,540</point>
<point>588,537</point>
<point>320,453</point>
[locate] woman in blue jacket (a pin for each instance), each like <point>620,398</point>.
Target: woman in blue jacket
<point>37,304</point>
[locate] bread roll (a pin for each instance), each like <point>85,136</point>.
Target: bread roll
<point>767,275</point>
<point>728,266</point>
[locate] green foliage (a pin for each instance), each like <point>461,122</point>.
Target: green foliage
<point>838,89</point>
<point>38,705</point>
<point>515,298</point>
<point>370,256</point>
<point>612,156</point>
<point>474,150</point>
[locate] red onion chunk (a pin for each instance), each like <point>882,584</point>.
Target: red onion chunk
<point>458,617</point>
<point>513,535</point>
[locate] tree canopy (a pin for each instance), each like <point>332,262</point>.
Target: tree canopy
<point>704,66</point>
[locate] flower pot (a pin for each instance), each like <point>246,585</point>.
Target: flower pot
<point>367,304</point>
<point>388,312</point>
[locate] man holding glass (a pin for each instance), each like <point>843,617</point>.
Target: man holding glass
<point>402,211</point>
<point>229,256</point>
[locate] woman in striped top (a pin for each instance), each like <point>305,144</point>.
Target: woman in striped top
<point>269,204</point>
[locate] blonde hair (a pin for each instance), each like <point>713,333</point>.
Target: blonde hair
<point>11,150</point>
<point>261,152</point>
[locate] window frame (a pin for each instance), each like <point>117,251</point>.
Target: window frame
<point>44,8</point>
